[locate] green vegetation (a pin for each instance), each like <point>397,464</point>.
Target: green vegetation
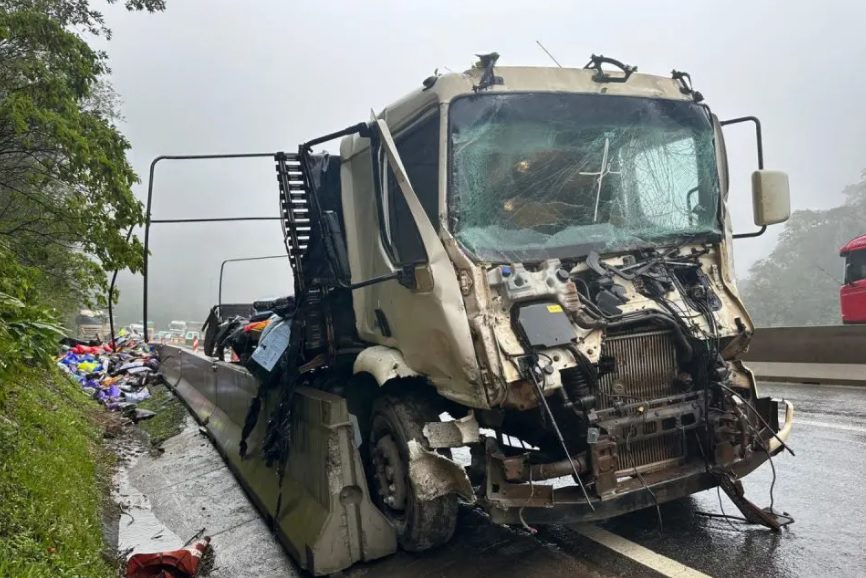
<point>66,201</point>
<point>170,414</point>
<point>798,283</point>
<point>53,474</point>
<point>66,214</point>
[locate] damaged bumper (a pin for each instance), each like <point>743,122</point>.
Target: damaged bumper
<point>535,503</point>
<point>781,437</point>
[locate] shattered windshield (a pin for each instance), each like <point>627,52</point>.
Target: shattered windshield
<point>540,175</point>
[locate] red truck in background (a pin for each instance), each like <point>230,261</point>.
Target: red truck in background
<point>852,295</point>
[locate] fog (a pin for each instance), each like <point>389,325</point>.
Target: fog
<point>218,76</point>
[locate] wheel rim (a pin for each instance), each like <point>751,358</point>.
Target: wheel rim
<point>390,475</point>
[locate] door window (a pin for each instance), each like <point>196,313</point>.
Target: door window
<point>418,147</point>
<point>855,266</point>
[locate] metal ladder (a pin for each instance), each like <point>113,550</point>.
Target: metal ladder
<point>295,211</point>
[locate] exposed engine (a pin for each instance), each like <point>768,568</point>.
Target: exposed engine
<point>634,393</point>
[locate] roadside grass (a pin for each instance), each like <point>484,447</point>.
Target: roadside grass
<point>54,473</point>
<point>169,418</point>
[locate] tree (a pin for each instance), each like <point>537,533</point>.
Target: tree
<point>66,201</point>
<point>798,283</point>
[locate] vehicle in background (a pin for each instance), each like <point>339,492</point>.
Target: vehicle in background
<point>177,329</point>
<point>92,325</point>
<point>191,337</point>
<point>139,329</point>
<point>163,336</point>
<point>194,326</point>
<point>852,295</point>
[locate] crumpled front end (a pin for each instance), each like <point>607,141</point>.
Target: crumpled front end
<point>617,391</point>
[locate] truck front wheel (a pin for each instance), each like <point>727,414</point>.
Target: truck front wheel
<point>420,524</point>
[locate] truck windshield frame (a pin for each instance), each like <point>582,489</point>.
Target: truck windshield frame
<point>538,175</point>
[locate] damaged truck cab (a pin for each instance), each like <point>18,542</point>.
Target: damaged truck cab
<point>544,254</point>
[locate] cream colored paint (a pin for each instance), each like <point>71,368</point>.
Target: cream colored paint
<point>434,331</point>
<point>430,330</point>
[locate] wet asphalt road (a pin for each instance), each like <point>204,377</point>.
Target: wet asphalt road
<point>822,488</point>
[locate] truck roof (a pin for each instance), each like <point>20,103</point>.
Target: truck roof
<point>531,79</point>
<point>855,244</point>
<point>447,87</point>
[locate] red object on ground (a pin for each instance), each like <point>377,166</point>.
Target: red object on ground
<point>85,349</point>
<point>852,295</point>
<point>181,563</point>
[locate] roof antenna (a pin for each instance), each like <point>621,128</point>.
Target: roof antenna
<point>546,51</point>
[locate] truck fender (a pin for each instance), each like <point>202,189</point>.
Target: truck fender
<point>383,363</point>
<point>434,475</point>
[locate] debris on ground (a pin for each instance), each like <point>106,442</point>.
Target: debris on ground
<point>116,374</point>
<point>183,563</point>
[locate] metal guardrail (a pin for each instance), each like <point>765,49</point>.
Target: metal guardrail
<point>820,354</point>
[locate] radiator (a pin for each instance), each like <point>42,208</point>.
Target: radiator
<point>645,367</point>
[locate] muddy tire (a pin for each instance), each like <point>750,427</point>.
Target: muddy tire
<point>420,524</point>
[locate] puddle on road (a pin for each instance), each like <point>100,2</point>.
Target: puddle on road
<point>139,530</point>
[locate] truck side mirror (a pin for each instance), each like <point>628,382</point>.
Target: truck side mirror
<point>771,197</point>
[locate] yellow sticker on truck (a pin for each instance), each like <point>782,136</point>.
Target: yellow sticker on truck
<point>554,308</point>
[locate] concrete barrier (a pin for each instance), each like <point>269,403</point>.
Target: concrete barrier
<point>827,354</point>
<point>322,515</point>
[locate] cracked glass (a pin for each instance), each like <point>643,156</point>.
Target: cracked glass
<point>541,175</point>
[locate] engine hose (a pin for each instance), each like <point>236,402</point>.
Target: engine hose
<point>539,389</point>
<point>581,381</point>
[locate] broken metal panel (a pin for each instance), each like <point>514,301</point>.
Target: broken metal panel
<point>434,475</point>
<point>322,511</point>
<point>383,363</point>
<point>776,443</point>
<point>753,514</point>
<point>452,434</point>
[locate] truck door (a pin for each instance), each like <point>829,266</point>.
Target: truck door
<point>852,295</point>
<point>422,316</point>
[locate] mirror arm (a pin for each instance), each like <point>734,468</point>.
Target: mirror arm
<point>760,143</point>
<point>757,233</point>
<point>405,275</point>
<point>371,281</point>
<point>758,134</point>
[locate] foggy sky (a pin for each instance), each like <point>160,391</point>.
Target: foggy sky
<point>215,76</point>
